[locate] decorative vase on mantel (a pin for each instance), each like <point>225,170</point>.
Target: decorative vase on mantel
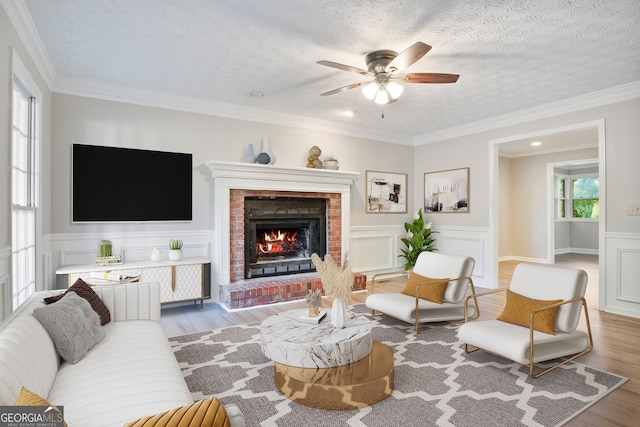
<point>266,156</point>
<point>249,157</point>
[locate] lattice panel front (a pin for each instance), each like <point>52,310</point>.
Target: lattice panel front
<point>188,284</point>
<point>161,275</point>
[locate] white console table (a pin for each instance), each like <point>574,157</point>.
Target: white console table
<point>185,280</point>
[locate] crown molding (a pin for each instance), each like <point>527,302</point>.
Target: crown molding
<point>21,19</point>
<point>595,99</point>
<point>232,111</point>
<point>148,98</point>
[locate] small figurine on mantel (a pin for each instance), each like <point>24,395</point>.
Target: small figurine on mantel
<point>313,161</point>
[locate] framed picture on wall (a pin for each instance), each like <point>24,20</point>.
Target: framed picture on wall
<point>447,191</point>
<point>386,192</point>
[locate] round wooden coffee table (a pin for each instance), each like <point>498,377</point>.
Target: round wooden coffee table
<point>323,367</point>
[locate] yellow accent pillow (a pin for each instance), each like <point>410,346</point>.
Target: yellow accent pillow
<point>201,413</point>
<point>29,398</point>
<point>434,292</point>
<point>518,310</point>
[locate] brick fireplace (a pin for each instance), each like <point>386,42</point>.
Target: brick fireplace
<point>233,184</point>
<point>238,225</point>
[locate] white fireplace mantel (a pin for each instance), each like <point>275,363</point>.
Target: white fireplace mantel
<point>252,176</point>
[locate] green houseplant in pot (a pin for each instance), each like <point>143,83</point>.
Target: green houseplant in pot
<point>175,250</point>
<point>331,163</point>
<point>417,240</point>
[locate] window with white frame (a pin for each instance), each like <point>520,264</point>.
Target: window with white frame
<point>23,193</point>
<point>578,197</point>
<point>585,193</point>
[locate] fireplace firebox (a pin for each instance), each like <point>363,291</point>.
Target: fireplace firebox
<point>281,233</point>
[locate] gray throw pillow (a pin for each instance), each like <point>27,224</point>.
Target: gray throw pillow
<point>74,327</point>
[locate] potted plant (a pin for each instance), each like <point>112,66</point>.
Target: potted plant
<point>417,240</point>
<point>331,163</point>
<point>175,250</point>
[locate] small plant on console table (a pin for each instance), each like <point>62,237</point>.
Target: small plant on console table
<point>175,250</point>
<point>417,240</point>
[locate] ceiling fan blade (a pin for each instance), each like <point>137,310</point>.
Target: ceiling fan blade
<point>427,77</point>
<point>343,67</point>
<point>409,56</point>
<point>343,88</point>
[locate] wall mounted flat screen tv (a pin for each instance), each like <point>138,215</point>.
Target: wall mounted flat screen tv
<point>113,184</point>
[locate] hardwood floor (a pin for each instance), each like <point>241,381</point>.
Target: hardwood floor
<point>616,338</point>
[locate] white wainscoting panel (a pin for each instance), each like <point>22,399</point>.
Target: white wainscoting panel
<point>78,249</point>
<point>469,241</point>
<point>621,289</point>
<point>374,249</point>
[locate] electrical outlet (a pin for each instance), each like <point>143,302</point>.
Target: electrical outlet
<point>633,209</point>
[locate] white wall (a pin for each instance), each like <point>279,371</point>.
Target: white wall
<point>528,202</point>
<point>91,121</point>
<point>622,180</point>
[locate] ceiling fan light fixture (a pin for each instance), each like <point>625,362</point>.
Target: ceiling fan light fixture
<point>382,97</point>
<point>384,66</point>
<point>394,89</point>
<point>370,89</point>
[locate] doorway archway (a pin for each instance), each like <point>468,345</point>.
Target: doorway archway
<point>518,142</point>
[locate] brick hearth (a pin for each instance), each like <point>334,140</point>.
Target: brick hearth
<point>271,290</point>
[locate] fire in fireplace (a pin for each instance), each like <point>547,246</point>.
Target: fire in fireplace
<point>281,233</point>
<point>279,242</point>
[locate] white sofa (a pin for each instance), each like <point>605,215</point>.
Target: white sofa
<point>129,374</point>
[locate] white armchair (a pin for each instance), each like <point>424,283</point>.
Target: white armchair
<point>412,307</point>
<point>524,342</point>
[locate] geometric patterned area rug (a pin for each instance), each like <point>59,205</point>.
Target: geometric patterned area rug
<point>435,382</point>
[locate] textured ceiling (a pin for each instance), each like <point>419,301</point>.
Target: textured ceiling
<point>511,54</point>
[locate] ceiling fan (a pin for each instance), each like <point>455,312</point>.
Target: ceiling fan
<point>386,66</point>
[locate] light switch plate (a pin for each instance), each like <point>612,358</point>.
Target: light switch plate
<point>633,209</point>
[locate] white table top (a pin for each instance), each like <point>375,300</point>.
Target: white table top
<point>287,340</point>
<point>70,269</point>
